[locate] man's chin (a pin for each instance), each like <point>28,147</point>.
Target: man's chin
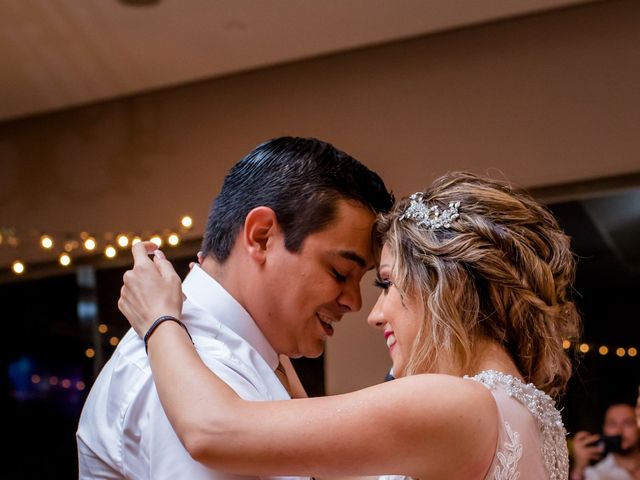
<point>307,352</point>
<point>629,451</point>
<point>313,352</point>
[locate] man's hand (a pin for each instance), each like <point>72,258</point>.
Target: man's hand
<point>583,452</point>
<point>151,289</point>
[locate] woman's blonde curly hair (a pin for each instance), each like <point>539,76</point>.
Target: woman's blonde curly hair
<point>502,271</point>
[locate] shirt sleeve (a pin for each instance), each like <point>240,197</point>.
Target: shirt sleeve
<point>168,459</point>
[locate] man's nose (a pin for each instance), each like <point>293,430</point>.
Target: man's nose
<point>350,298</point>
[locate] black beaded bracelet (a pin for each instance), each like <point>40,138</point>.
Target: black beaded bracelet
<point>155,324</point>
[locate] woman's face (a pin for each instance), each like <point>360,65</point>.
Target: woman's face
<point>399,319</point>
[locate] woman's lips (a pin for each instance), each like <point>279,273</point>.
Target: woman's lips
<point>391,339</point>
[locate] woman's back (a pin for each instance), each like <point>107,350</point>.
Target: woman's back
<point>531,440</point>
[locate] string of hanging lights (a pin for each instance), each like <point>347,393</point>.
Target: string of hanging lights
<point>602,350</point>
<point>68,246</point>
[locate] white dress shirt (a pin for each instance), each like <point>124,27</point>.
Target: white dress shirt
<point>607,469</point>
<point>123,431</point>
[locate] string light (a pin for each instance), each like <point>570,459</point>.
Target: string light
<point>18,267</point>
<point>102,328</point>
<point>173,239</point>
<point>186,222</point>
<point>90,352</point>
<point>603,350</point>
<point>90,244</point>
<point>122,240</point>
<point>64,259</point>
<point>114,341</point>
<point>70,245</point>
<point>46,242</point>
<point>85,241</point>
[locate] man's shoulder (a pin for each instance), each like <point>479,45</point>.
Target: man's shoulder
<point>121,379</point>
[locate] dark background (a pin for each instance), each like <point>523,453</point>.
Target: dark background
<point>45,336</point>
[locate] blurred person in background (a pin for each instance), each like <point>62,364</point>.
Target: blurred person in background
<point>617,454</point>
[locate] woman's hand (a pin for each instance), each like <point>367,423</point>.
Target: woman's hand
<point>151,289</point>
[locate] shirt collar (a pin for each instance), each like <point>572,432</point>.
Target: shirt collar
<point>205,292</point>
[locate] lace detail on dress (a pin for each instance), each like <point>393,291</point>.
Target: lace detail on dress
<point>509,456</point>
<point>542,408</point>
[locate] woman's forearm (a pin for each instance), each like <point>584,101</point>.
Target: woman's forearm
<point>407,427</point>
<point>186,388</point>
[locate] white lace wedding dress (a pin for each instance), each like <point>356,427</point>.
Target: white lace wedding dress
<point>531,439</point>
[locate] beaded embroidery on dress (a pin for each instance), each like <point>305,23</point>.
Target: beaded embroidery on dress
<point>512,460</point>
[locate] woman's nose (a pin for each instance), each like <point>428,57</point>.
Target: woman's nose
<point>376,316</point>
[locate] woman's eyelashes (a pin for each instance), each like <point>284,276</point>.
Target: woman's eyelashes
<point>384,284</point>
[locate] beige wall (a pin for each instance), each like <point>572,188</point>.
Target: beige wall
<point>545,99</point>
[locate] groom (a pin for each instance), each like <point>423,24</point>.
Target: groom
<point>287,242</point>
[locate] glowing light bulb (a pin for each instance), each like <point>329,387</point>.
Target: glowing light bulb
<point>102,328</point>
<point>90,244</point>
<point>114,341</point>
<point>620,352</point>
<point>122,240</point>
<point>632,352</point>
<point>603,350</point>
<point>157,240</point>
<point>110,251</point>
<point>90,352</point>
<point>64,259</point>
<point>135,240</point>
<point>187,221</point>
<point>566,344</point>
<point>584,348</point>
<point>18,267</point>
<point>46,242</point>
<point>173,239</point>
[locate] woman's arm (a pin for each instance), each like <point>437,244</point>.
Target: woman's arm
<point>430,426</point>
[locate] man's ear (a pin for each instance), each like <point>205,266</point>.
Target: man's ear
<point>260,225</point>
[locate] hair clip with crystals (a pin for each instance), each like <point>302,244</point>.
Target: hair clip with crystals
<point>430,217</point>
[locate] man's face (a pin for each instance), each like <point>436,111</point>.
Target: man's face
<point>305,293</point>
<point>621,420</point>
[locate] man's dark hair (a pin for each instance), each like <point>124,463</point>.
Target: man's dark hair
<point>300,179</point>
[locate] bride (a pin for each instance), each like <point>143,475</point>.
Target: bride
<point>474,278</point>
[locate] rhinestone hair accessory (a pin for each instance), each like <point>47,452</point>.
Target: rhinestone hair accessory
<point>430,217</point>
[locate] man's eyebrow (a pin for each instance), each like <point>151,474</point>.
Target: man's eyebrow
<point>354,257</point>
